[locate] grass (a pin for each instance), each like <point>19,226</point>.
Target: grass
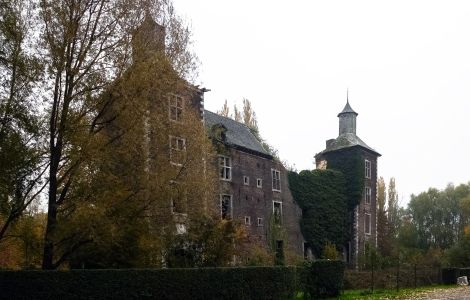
<point>404,293</point>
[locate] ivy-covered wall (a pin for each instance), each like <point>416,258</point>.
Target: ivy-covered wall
<point>321,195</point>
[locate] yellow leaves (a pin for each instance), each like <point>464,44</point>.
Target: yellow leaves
<point>467,230</point>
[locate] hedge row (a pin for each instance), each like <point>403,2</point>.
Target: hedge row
<point>323,278</point>
<point>320,278</point>
<point>449,275</point>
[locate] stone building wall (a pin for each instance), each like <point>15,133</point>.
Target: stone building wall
<point>253,202</point>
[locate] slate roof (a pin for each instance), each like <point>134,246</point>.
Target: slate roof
<point>347,140</point>
<point>347,109</point>
<point>237,134</point>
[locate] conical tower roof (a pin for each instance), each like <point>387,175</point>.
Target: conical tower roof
<point>347,109</point>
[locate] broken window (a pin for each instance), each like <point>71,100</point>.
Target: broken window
<point>279,252</point>
<point>178,198</point>
<point>177,150</point>
<point>176,107</point>
<point>225,169</point>
<point>226,207</point>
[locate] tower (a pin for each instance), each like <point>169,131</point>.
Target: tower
<point>358,162</point>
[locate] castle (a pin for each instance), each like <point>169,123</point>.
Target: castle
<point>364,214</point>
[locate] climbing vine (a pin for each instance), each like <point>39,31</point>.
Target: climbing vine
<point>321,195</point>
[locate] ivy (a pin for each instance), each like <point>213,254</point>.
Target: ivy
<point>321,195</point>
<point>351,164</point>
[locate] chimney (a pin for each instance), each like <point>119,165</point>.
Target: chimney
<point>148,39</point>
<point>329,143</point>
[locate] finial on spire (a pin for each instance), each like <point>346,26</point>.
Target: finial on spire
<point>347,95</point>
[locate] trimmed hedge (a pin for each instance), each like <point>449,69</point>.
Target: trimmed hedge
<point>449,275</point>
<point>323,278</point>
<point>318,279</point>
<point>207,283</point>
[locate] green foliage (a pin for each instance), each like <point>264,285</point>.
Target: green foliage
<point>351,164</point>
<point>322,197</point>
<point>330,251</point>
<point>323,278</point>
<point>201,283</point>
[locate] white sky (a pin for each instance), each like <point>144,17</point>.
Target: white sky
<point>406,64</point>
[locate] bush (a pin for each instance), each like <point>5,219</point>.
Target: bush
<point>203,283</point>
<point>323,278</point>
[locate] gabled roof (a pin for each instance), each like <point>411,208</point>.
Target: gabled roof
<point>237,134</point>
<point>347,140</point>
<point>347,109</point>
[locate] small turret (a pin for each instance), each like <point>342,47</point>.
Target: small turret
<point>347,120</point>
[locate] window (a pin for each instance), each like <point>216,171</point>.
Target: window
<point>279,258</point>
<point>176,107</point>
<point>368,168</point>
<point>226,207</point>
<point>247,220</point>
<point>259,182</point>
<point>260,221</point>
<point>181,228</point>
<point>177,150</point>
<point>367,224</point>
<point>276,175</point>
<point>246,180</point>
<point>225,169</point>
<point>277,212</point>
<point>368,195</point>
<point>178,198</point>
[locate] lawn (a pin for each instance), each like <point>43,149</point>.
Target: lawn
<point>405,293</point>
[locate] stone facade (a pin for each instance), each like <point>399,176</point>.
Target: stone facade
<point>257,187</point>
<point>364,228</point>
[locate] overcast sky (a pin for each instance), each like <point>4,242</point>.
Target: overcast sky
<point>406,64</point>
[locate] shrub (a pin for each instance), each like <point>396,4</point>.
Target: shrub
<point>323,278</point>
<point>203,283</point>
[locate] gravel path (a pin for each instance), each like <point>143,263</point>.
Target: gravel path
<point>460,293</point>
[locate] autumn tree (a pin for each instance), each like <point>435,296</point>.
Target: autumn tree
<point>20,142</point>
<point>384,244</point>
<point>392,209</point>
<point>88,46</point>
<point>225,111</point>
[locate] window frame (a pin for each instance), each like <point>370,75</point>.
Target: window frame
<point>367,226</point>
<point>280,211</point>
<point>247,218</point>
<point>368,169</point>
<point>260,222</point>
<point>173,103</point>
<point>246,180</point>
<point>183,199</point>
<point>367,195</point>
<point>227,168</point>
<point>276,182</point>
<point>177,148</point>
<point>221,207</point>
<point>259,183</point>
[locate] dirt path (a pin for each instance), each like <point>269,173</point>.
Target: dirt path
<point>460,293</point>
